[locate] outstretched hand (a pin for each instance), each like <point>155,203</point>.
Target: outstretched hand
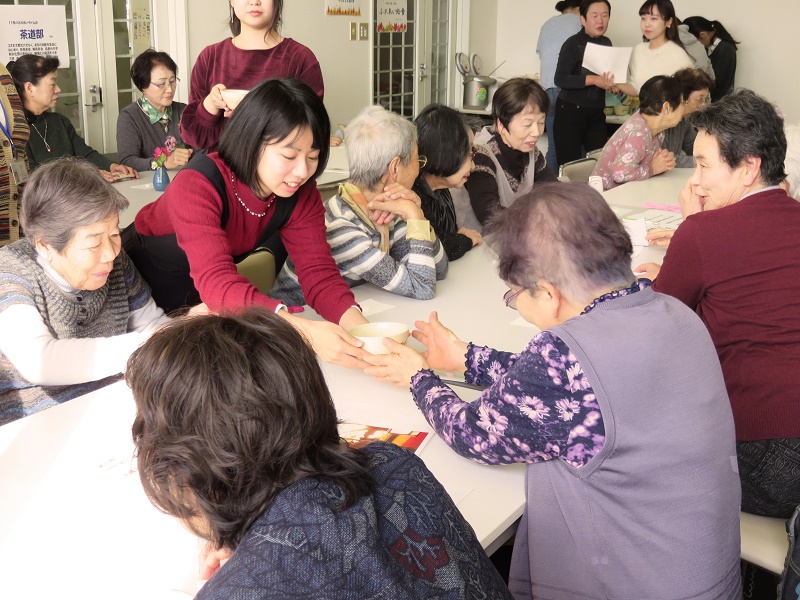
<point>444,350</point>
<point>398,367</point>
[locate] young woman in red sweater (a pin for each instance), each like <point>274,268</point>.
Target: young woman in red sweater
<point>255,52</point>
<point>257,191</point>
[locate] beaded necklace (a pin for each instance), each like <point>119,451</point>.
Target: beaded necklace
<point>266,208</point>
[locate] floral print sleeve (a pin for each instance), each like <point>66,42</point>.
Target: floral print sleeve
<point>628,154</point>
<point>538,406</point>
<point>487,365</point>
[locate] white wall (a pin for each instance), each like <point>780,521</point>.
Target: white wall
<point>483,31</point>
<point>208,24</point>
<point>346,65</point>
<point>766,58</point>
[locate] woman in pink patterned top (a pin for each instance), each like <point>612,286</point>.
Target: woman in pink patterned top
<point>634,152</point>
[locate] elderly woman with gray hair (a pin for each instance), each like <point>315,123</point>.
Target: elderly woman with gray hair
<point>629,444</point>
<point>72,306</point>
<point>403,256</point>
<point>734,260</point>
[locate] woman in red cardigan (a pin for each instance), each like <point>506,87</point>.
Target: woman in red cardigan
<point>258,191</point>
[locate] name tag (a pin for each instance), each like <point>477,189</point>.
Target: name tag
<point>19,170</point>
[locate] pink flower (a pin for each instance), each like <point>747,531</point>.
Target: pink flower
<point>170,144</point>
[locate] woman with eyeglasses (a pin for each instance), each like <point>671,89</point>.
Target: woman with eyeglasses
<point>628,443</point>
<point>403,256</point>
<point>52,135</point>
<point>696,88</point>
<point>146,124</point>
<point>445,138</point>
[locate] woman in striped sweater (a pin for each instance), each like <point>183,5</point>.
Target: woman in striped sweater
<point>403,256</point>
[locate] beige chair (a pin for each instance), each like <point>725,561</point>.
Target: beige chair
<point>764,541</point>
<point>259,268</point>
<point>577,170</point>
<point>595,154</point>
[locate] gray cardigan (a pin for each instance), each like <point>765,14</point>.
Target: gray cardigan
<point>681,138</point>
<point>137,137</point>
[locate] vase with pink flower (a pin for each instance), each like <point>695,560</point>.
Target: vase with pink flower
<point>160,156</point>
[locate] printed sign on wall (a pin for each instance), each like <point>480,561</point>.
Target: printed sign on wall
<point>351,8</point>
<point>392,16</point>
<point>30,29</point>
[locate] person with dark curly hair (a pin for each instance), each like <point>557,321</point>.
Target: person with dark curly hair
<point>236,435</point>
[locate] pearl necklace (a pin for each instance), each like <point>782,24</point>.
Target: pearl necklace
<point>266,208</point>
<point>44,137</point>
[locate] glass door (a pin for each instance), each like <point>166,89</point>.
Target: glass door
<point>112,34</point>
<point>411,69</point>
<point>394,60</point>
<point>434,56</point>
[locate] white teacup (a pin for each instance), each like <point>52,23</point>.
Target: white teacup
<point>372,335</point>
<point>233,97</point>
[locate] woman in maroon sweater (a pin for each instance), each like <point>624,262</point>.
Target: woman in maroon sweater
<point>736,261</point>
<point>258,191</point>
<point>255,52</point>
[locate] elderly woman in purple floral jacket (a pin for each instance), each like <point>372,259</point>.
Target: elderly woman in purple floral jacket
<point>618,406</point>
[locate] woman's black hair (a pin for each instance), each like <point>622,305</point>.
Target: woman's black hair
<point>697,25</point>
<point>230,411</point>
<point>277,14</point>
<point>269,113</point>
<point>144,65</point>
<point>657,90</point>
<point>30,68</point>
<point>667,12</point>
<point>443,137</point>
<point>567,4</point>
<point>585,4</point>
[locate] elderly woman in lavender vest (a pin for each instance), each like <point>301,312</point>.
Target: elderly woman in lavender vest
<point>631,487</point>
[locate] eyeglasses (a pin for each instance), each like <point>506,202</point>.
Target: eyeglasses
<point>423,160</point>
<point>701,100</point>
<point>510,298</point>
<point>171,83</point>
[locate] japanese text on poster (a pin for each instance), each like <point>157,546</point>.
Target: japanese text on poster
<point>392,15</point>
<point>30,29</point>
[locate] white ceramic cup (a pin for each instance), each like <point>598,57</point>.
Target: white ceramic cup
<point>372,335</point>
<point>233,97</point>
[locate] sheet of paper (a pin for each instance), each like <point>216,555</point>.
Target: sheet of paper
<point>371,307</point>
<point>601,59</point>
<point>637,229</point>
